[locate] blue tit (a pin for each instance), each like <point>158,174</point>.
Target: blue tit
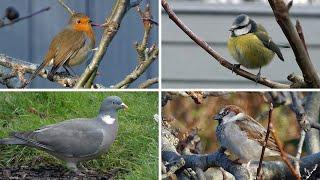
<point>250,45</point>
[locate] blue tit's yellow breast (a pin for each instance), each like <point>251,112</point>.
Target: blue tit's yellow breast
<point>249,51</point>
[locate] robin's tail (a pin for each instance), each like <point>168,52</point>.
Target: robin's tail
<point>36,72</point>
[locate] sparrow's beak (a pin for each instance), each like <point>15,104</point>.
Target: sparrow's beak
<point>124,106</point>
<point>217,117</point>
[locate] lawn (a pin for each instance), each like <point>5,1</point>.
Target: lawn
<point>136,146</point>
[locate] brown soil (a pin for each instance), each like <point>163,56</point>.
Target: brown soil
<point>53,172</point>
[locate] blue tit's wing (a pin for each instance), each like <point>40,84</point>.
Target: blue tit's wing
<point>268,43</point>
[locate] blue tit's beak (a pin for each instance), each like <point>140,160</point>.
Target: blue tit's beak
<point>233,27</point>
<point>217,117</point>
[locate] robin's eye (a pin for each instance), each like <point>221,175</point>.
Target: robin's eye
<point>90,21</point>
<point>78,21</point>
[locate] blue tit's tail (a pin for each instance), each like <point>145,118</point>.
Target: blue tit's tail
<point>283,45</point>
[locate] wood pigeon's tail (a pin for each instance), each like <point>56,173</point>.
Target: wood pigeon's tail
<point>12,141</point>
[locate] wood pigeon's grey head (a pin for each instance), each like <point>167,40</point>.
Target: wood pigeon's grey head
<point>112,103</point>
<point>242,25</point>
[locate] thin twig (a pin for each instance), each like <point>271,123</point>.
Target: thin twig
<point>300,32</point>
<point>112,24</point>
<point>215,55</point>
<point>66,7</point>
<point>299,151</point>
<point>283,154</point>
<point>18,66</point>
<point>148,83</point>
<point>281,13</point>
<point>25,17</point>
<point>265,142</point>
<point>139,70</point>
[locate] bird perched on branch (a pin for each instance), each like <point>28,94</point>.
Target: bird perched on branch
<point>76,140</point>
<point>250,45</point>
<point>243,136</point>
<point>70,47</point>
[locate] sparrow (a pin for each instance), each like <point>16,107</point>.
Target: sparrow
<point>250,44</point>
<point>243,136</point>
<point>70,47</point>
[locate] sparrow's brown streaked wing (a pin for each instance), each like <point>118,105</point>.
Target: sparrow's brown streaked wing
<point>256,131</point>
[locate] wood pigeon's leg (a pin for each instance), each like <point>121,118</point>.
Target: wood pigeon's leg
<point>72,166</point>
<point>84,169</point>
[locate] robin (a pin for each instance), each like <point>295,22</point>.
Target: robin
<point>70,47</point>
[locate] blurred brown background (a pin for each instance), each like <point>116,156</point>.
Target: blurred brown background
<point>188,117</point>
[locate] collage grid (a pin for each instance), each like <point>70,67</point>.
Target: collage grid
<point>159,89</point>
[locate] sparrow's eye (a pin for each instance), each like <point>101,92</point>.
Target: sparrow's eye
<point>225,113</point>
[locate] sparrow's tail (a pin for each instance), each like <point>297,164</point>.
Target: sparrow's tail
<point>36,72</point>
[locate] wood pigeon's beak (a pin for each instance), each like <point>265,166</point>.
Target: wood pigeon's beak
<point>124,106</point>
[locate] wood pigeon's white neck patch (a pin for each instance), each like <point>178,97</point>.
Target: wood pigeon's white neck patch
<point>108,119</point>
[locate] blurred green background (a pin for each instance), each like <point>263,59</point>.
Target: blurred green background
<point>191,116</point>
<point>136,146</point>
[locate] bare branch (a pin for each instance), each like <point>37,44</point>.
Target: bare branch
<point>283,154</point>
<point>135,3</point>
<point>18,66</point>
<point>281,13</point>
<point>265,142</point>
<point>25,17</point>
<point>70,11</point>
<point>148,83</point>
<point>312,110</point>
<point>139,70</point>
<point>112,24</point>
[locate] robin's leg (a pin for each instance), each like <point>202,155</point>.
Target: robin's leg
<point>67,67</point>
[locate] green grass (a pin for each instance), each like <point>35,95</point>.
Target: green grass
<point>136,146</point>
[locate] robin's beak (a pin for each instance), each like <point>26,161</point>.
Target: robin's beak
<point>218,117</point>
<point>94,24</point>
<point>124,106</point>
